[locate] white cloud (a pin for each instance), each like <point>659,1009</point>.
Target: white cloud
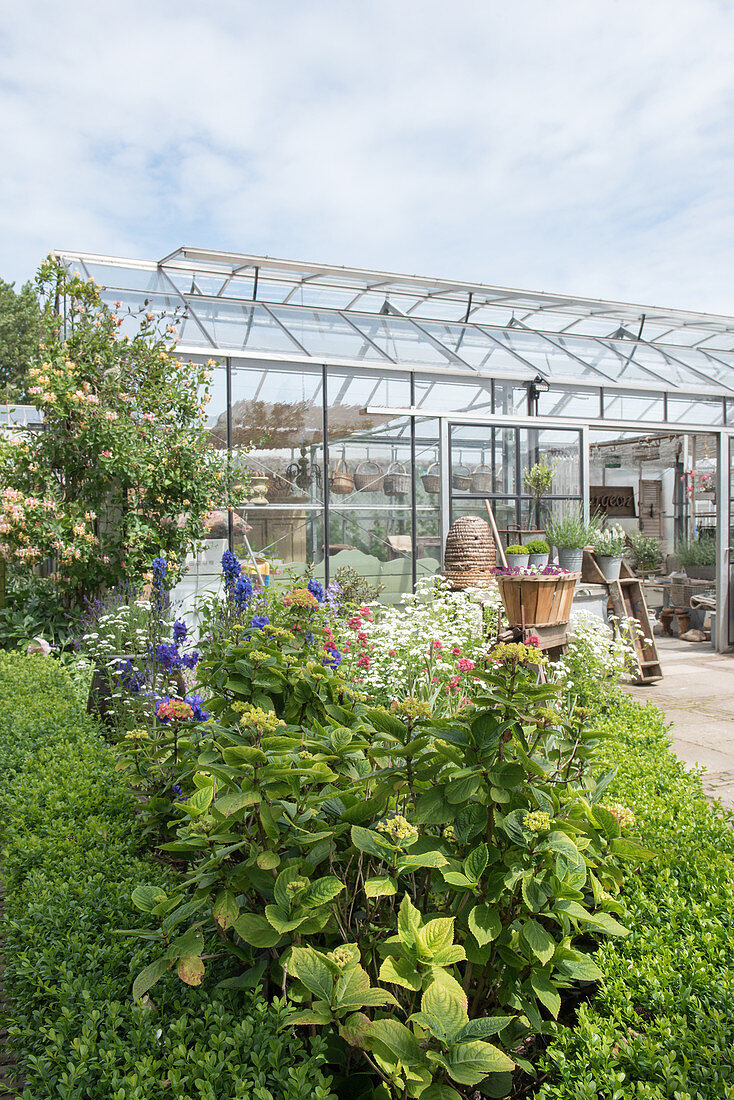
<point>574,147</point>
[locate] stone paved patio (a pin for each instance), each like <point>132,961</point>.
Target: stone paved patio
<point>697,695</point>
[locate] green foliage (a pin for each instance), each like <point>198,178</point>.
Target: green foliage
<point>537,546</point>
<point>71,859</point>
<point>33,607</point>
<point>646,554</point>
<point>404,878</point>
<point>570,530</point>
<point>124,468</point>
<point>538,480</point>
<point>697,552</point>
<point>517,549</point>
<point>662,1023</point>
<point>356,589</point>
<point>19,332</point>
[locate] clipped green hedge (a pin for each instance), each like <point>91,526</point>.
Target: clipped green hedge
<point>662,1022</point>
<point>71,855</point>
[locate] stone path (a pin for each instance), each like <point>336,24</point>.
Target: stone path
<point>697,695</point>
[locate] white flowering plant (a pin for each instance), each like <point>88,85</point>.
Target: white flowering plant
<point>599,655</point>
<point>610,541</point>
<point>425,648</point>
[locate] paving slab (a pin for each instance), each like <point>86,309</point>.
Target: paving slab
<point>697,696</point>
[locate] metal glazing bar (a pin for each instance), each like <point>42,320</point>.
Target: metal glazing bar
<point>365,337</point>
<point>280,325</point>
<point>189,308</point>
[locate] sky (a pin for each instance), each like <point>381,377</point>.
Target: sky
<point>577,147</point>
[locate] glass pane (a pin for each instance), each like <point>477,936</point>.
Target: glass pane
<point>246,326</point>
<point>427,493</point>
<point>510,399</point>
<point>401,341</point>
<point>483,460</point>
<point>369,454</point>
<point>633,406</point>
<point>326,334</point>
<point>435,393</point>
<point>477,349</point>
<point>559,401</point>
<point>292,537</point>
<point>696,410</point>
<point>277,431</point>
<point>376,542</point>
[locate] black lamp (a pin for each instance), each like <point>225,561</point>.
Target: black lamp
<point>538,385</point>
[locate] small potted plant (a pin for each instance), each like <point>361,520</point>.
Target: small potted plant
<point>645,552</point>
<point>538,481</point>
<point>610,544</point>
<point>538,552</point>
<point>570,533</point>
<point>517,556</point>
<point>698,558</point>
<point>537,597</point>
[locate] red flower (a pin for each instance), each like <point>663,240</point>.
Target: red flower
<point>437,646</point>
<point>364,661</point>
<point>533,639</point>
<point>391,652</point>
<point>355,623</point>
<point>465,665</point>
<point>456,652</point>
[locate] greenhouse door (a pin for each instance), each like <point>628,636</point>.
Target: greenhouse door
<point>487,463</point>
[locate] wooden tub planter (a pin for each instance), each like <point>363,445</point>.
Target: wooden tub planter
<point>537,599</point>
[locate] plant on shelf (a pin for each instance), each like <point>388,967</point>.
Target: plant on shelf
<point>645,552</point>
<point>570,533</point>
<point>538,481</point>
<point>609,545</point>
<point>697,552</point>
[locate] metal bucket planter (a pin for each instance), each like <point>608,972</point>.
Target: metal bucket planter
<point>538,560</point>
<point>516,560</point>
<point>610,566</point>
<point>570,557</point>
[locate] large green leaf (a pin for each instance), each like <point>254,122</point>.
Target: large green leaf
<point>400,972</point>
<point>475,863</point>
<point>256,931</point>
<point>367,840</point>
<point>380,887</point>
<point>147,978</point>
<point>313,971</point>
<point>630,849</point>
<point>434,936</point>
<point>484,923</point>
<point>423,859</point>
<point>409,921</point>
<point>546,992</point>
<point>244,754</point>
<point>230,803</point>
<point>580,968</point>
<point>322,891</point>
<point>469,1062</point>
<point>190,942</point>
<point>225,909</point>
<point>147,898</point>
<point>281,921</point>
<point>393,1041</point>
<point>443,1011</point>
<point>199,802</point>
<point>190,969</point>
<point>486,1025</point>
<point>539,940</point>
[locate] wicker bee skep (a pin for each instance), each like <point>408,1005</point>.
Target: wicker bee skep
<point>470,553</point>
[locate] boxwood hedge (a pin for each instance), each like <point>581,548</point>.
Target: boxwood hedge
<point>71,855</point>
<point>661,1024</point>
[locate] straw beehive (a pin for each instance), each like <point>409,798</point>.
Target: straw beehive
<point>470,553</point>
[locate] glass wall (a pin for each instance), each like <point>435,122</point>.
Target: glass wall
<point>490,463</point>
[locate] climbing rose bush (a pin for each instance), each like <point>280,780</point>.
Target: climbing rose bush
<point>124,467</point>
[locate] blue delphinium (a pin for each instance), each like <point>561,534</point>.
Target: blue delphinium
<point>167,655</point>
<point>158,565</point>
<point>316,589</point>
<point>177,789</point>
<point>131,679</point>
<point>243,592</point>
<point>180,631</point>
<point>259,621</point>
<point>191,660</point>
<point>231,570</point>
<point>333,658</point>
<point>195,702</point>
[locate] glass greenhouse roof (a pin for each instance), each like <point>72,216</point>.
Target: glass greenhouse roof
<point>256,306</point>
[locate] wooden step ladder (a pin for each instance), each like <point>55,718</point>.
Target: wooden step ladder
<point>628,602</point>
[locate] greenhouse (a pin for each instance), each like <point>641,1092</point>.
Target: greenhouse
<point>373,409</point>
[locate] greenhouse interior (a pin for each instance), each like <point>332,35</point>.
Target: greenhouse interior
<point>373,409</point>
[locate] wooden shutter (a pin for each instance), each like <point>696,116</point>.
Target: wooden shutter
<point>651,508</point>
